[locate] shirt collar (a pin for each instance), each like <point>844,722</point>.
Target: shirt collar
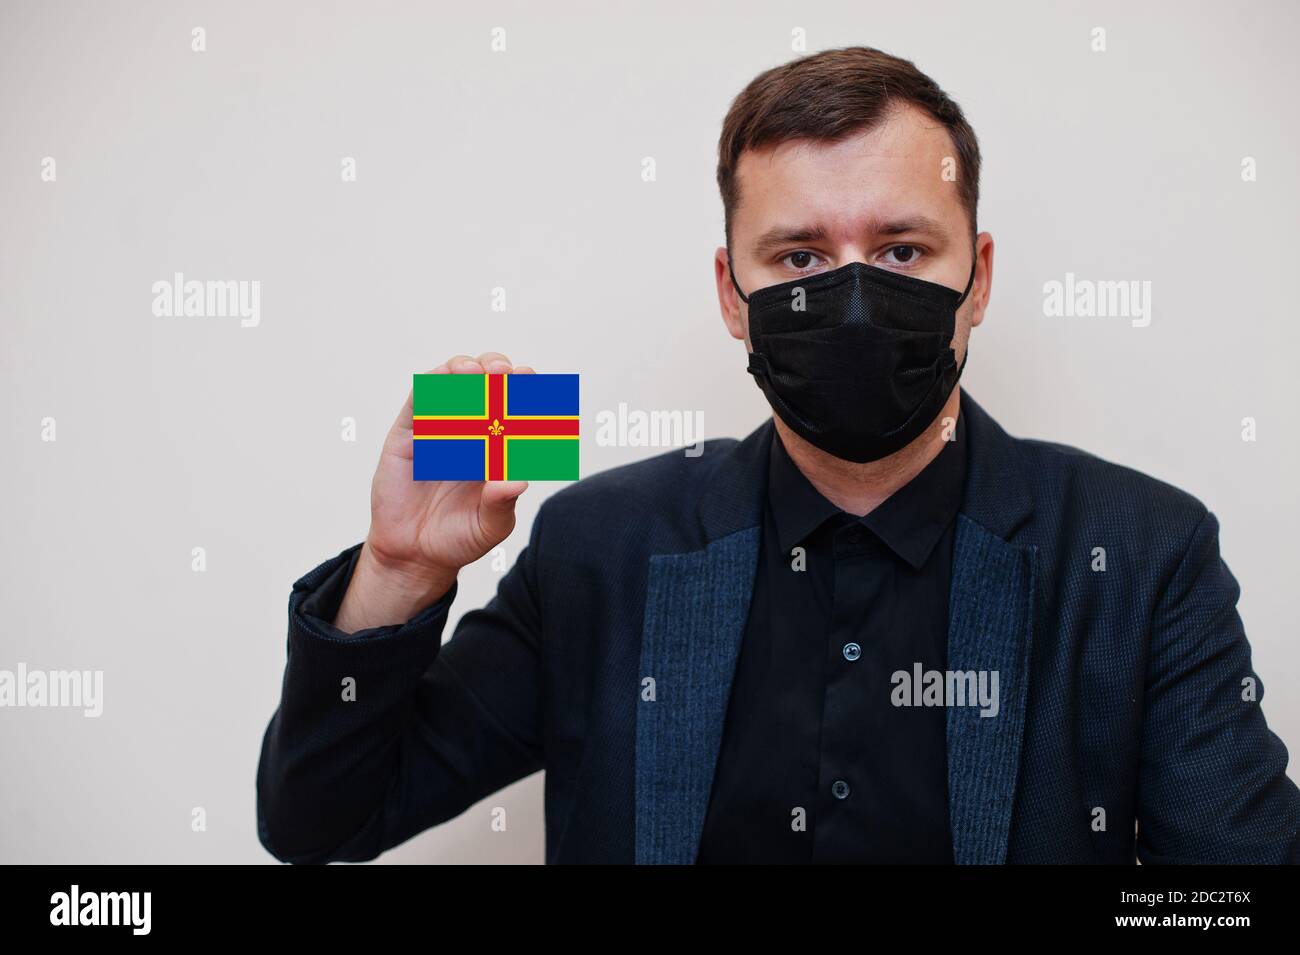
<point>910,521</point>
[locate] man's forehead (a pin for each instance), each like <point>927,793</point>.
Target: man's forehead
<point>897,162</point>
<point>903,133</point>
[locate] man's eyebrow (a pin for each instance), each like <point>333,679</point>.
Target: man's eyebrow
<point>774,239</point>
<point>921,225</point>
<point>782,236</point>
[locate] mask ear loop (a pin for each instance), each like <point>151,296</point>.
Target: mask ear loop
<point>970,282</point>
<point>743,297</point>
<point>757,362</point>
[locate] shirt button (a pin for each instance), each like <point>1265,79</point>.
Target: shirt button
<point>840,789</point>
<point>852,651</point>
<point>855,537</point>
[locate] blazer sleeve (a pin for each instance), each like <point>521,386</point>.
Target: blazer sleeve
<point>1212,786</point>
<point>386,732</point>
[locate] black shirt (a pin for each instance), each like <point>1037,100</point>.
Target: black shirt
<point>811,733</point>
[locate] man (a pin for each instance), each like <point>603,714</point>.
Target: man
<point>878,629</point>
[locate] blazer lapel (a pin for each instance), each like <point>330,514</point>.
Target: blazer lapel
<point>697,604</point>
<point>990,631</point>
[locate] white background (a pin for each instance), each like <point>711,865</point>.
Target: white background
<point>522,170</point>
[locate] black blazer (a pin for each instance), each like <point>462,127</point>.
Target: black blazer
<point>606,658</point>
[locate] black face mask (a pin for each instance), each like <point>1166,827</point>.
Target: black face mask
<point>865,366</point>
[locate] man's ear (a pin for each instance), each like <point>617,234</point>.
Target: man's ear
<point>734,314</point>
<point>983,286</point>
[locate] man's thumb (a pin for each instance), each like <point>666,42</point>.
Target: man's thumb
<point>497,505</point>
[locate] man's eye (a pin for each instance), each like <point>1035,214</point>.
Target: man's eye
<point>904,254</point>
<point>799,260</point>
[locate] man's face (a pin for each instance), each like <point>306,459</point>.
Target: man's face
<point>879,197</point>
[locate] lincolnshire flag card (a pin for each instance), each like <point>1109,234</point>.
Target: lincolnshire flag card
<point>495,427</point>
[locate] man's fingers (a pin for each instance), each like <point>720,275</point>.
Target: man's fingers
<point>464,365</point>
<point>494,362</point>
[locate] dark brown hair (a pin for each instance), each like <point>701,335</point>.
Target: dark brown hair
<point>833,94</point>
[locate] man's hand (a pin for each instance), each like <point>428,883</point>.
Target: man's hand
<point>423,532</point>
